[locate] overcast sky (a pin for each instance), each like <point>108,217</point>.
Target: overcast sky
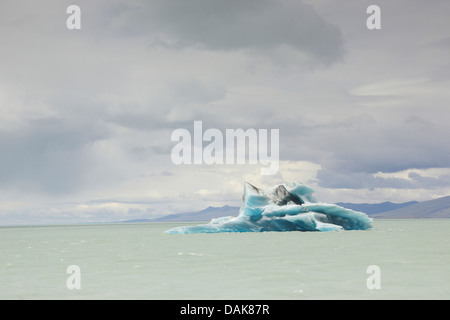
<point>87,115</point>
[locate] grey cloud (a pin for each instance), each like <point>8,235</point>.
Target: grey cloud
<point>443,43</point>
<point>162,150</point>
<point>232,25</point>
<point>193,91</point>
<point>167,173</point>
<point>146,121</point>
<point>50,155</point>
<point>178,103</point>
<point>139,69</point>
<point>396,146</point>
<point>430,182</point>
<point>358,180</point>
<point>351,151</point>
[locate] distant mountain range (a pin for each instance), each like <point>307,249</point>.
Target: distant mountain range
<point>437,208</point>
<point>374,208</point>
<point>203,215</point>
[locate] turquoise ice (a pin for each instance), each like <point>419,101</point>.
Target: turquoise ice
<point>283,208</point>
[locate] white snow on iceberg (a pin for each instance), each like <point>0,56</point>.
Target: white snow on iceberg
<point>283,208</point>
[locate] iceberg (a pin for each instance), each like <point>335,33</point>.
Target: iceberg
<point>283,208</point>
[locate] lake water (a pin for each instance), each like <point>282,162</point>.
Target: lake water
<point>140,261</point>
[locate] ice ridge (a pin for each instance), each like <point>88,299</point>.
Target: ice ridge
<point>283,208</point>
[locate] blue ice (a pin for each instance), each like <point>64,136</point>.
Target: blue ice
<point>283,208</point>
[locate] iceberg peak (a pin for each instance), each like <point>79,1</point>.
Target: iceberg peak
<point>283,208</point>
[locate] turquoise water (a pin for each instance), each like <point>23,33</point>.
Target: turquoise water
<point>140,261</point>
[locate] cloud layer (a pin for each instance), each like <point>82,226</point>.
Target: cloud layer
<point>87,114</point>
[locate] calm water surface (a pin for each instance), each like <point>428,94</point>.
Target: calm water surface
<point>140,261</point>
